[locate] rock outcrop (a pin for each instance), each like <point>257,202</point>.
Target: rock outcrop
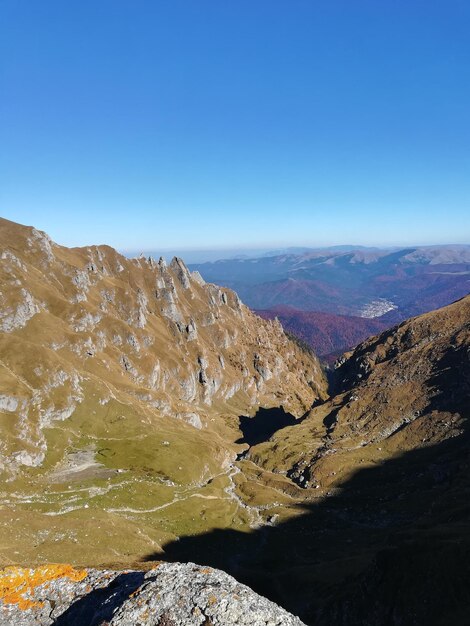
<point>138,331</point>
<point>170,595</point>
<point>122,383</point>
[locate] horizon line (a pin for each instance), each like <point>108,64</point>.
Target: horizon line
<point>275,248</point>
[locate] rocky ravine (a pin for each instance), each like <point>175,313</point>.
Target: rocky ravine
<point>383,535</point>
<point>404,389</point>
<point>169,595</point>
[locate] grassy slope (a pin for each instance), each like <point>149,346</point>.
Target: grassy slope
<point>123,472</point>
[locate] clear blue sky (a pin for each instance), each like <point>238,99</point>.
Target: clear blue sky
<point>225,123</point>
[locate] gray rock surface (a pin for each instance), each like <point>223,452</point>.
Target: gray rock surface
<point>172,594</point>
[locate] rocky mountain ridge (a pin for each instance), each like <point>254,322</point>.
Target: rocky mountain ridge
<point>154,333</point>
<point>122,383</point>
<point>406,388</point>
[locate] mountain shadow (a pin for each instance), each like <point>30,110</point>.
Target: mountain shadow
<point>390,547</point>
<point>264,424</point>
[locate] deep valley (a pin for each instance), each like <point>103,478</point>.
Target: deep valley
<point>150,416</point>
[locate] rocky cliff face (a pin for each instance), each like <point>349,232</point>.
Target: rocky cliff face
<point>138,331</point>
<point>121,386</point>
<point>169,595</point>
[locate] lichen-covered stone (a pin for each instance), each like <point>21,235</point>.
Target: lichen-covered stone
<point>173,594</point>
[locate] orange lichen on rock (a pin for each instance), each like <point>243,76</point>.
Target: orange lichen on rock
<point>17,583</point>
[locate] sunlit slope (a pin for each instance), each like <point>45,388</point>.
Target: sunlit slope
<point>121,383</point>
<point>405,389</point>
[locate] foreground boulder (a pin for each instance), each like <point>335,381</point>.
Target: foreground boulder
<point>173,594</point>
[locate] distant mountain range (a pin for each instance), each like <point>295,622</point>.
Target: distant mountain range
<point>210,255</point>
<point>333,298</point>
<point>360,282</point>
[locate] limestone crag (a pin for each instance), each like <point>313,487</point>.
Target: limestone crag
<point>122,384</point>
<point>138,331</point>
<point>170,595</point>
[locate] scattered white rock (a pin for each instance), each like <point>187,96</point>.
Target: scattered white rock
<point>12,319</point>
<point>8,403</point>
